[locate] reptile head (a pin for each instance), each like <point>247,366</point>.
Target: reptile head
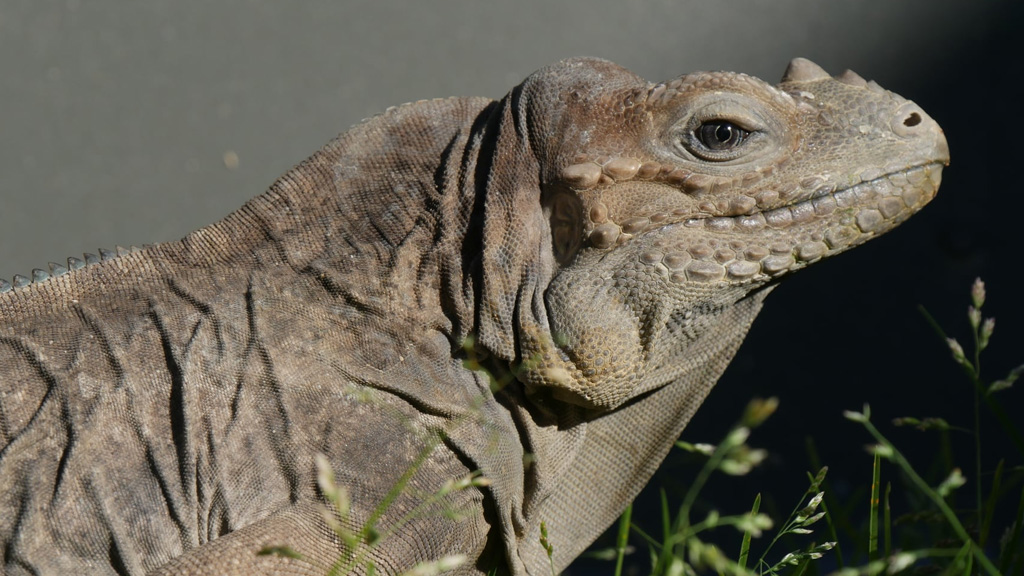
<point>669,202</point>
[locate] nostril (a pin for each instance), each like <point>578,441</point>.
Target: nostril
<point>908,121</point>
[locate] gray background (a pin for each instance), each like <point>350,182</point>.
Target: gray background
<point>116,115</point>
<point>116,119</point>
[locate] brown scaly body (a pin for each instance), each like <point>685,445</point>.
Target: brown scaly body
<point>606,240</point>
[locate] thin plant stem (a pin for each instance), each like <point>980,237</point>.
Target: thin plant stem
<point>876,480</point>
<point>1004,421</point>
<point>651,540</point>
<point>345,565</point>
<point>975,373</point>
<point>745,545</point>
<point>812,455</point>
<point>623,539</point>
<point>947,512</point>
<point>682,523</point>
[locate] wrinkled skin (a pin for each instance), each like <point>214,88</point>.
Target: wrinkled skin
<point>542,289</point>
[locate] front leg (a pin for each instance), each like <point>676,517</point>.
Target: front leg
<point>302,529</point>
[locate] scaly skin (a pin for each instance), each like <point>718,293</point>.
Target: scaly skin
<point>828,165</point>
<point>606,241</point>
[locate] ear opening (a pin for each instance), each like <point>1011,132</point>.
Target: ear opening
<point>564,212</point>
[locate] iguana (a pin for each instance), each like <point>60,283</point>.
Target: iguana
<point>542,289</point>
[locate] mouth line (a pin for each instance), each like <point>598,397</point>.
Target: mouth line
<point>761,246</point>
<point>818,205</point>
<point>822,204</point>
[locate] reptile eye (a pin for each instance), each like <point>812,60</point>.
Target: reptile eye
<point>728,129</point>
<point>719,135</point>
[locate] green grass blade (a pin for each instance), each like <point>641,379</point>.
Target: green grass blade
<point>876,475</point>
<point>620,544</point>
<point>1012,544</point>
<point>745,546</point>
<point>280,551</point>
<point>651,541</point>
<point>946,449</point>
<point>666,537</point>
<point>400,484</point>
<point>1004,421</point>
<point>954,523</point>
<point>962,560</point>
<point>666,521</point>
<point>368,532</point>
<point>990,505</point>
<point>888,520</point>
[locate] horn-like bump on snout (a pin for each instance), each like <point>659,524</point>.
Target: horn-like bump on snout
<point>852,78</point>
<point>803,70</point>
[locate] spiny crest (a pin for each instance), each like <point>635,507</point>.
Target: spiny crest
<point>55,270</point>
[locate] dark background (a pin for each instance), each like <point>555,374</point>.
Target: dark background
<point>116,120</point>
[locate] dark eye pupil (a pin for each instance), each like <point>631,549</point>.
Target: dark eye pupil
<point>720,135</point>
